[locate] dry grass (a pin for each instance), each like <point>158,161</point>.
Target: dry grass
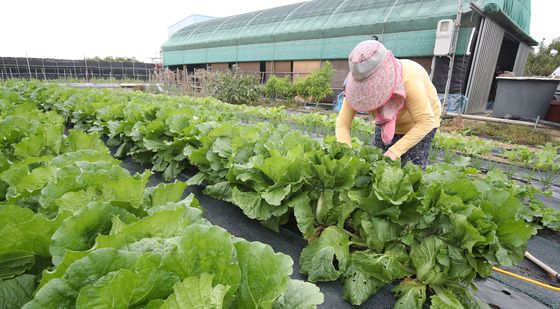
<point>507,133</point>
<point>512,133</point>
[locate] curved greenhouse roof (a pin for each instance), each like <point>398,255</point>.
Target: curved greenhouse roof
<point>325,29</point>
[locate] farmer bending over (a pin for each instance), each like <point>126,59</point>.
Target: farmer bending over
<point>400,95</point>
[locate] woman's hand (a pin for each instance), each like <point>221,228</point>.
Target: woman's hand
<point>391,155</point>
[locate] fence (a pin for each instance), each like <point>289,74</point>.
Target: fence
<point>182,82</point>
<point>48,69</point>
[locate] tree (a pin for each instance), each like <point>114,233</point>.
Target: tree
<point>317,85</point>
<point>545,60</point>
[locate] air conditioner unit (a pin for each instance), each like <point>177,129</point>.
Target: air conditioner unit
<point>444,37</point>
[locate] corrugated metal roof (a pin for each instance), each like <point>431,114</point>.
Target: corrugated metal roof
<point>319,29</point>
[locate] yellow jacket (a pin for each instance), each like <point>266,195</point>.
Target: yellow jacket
<point>421,114</point>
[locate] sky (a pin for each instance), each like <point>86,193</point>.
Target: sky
<point>125,28</point>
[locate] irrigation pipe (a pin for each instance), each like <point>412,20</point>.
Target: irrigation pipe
<point>544,285</point>
<point>500,120</point>
<point>551,272</point>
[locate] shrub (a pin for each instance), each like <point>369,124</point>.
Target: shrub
<point>235,88</point>
<point>279,88</point>
<point>317,85</point>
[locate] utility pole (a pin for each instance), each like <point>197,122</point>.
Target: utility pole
<point>452,55</point>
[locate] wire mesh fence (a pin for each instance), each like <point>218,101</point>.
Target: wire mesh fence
<point>50,69</point>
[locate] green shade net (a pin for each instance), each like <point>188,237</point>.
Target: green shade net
<point>519,11</point>
<point>324,29</point>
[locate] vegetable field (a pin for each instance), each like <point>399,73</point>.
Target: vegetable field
<point>79,231</point>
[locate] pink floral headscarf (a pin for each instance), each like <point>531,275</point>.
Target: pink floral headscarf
<point>375,83</point>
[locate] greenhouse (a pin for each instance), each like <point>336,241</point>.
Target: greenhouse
<point>296,38</point>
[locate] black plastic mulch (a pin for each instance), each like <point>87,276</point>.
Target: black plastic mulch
<point>508,292</point>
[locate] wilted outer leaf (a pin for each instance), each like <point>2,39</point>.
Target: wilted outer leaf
<point>326,258</point>
<point>410,294</point>
<point>367,272</point>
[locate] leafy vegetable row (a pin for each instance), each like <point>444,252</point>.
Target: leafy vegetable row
<point>369,221</point>
<point>544,159</point>
<point>540,160</point>
<point>78,231</point>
